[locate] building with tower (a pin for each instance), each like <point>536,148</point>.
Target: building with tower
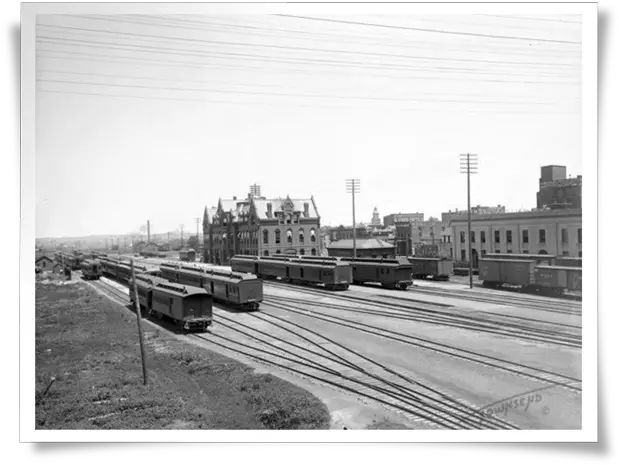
<point>260,226</point>
<point>556,190</point>
<point>375,219</point>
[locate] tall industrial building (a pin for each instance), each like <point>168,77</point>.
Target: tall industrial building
<point>556,190</point>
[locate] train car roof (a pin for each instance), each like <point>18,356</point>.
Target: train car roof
<point>179,289</point>
<point>379,261</point>
<point>496,260</point>
<point>521,255</point>
<point>435,259</point>
<point>558,267</point>
<point>223,274</point>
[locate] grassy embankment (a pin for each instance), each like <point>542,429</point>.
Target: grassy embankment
<point>90,346</point>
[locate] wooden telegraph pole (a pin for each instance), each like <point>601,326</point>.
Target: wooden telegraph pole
<point>139,317</point>
<point>468,166</point>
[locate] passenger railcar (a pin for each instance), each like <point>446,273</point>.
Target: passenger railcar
<point>437,268</point>
<point>243,290</point>
<point>333,274</point>
<point>91,269</point>
<point>389,273</point>
<point>191,308</point>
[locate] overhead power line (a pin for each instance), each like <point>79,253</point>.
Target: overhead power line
<point>152,61</point>
<point>438,31</point>
<point>308,49</point>
<point>283,60</point>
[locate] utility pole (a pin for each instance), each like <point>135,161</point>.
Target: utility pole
<point>138,313</point>
<point>182,226</point>
<point>197,218</point>
<point>468,165</point>
<point>352,187</point>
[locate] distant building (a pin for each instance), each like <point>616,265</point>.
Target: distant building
<point>556,191</point>
<point>366,248</point>
<point>478,210</point>
<point>411,233</point>
<point>554,232</point>
<point>260,226</point>
<point>346,232</point>
<point>44,262</point>
<point>393,218</point>
<point>375,218</point>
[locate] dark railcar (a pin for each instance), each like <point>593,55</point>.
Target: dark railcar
<point>390,273</point>
<point>435,267</point>
<point>91,269</point>
<point>334,274</point>
<point>238,288</point>
<point>191,308</point>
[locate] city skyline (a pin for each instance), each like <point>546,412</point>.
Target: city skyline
<point>125,132</point>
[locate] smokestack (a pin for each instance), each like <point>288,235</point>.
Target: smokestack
<point>269,210</point>
<point>148,229</point>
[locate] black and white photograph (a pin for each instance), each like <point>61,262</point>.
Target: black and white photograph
<point>340,221</point>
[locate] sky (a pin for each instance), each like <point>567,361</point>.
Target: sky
<point>157,116</point>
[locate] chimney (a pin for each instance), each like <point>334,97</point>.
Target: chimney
<point>269,210</point>
<point>234,198</point>
<point>306,209</point>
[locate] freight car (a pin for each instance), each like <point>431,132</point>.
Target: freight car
<point>574,262</point>
<point>91,269</point>
<point>529,276</point>
<point>333,274</point>
<point>191,308</point>
<point>243,290</point>
<point>437,268</point>
<point>187,255</point>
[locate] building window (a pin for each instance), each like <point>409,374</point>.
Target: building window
<point>525,251</point>
<point>462,237</point>
<point>483,237</point>
<point>277,252</point>
<point>302,252</point>
<point>497,237</point>
<point>301,236</point>
<point>525,236</point>
<point>580,235</point>
<point>564,236</point>
<point>509,251</point>
<point>313,236</point>
<point>313,251</point>
<point>265,253</point>
<point>483,252</point>
<point>509,236</point>
<point>265,237</point>
<point>543,252</point>
<point>542,236</point>
<point>289,236</point>
<point>463,255</point>
<point>472,237</point>
<point>277,238</point>
<point>287,219</point>
<point>565,253</point>
<point>580,254</point>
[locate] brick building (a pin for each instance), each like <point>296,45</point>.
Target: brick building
<point>393,218</point>
<point>366,248</point>
<point>557,191</point>
<point>260,226</point>
<point>555,232</point>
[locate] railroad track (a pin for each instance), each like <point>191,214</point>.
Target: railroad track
<point>315,356</point>
<point>543,376</point>
<point>531,303</point>
<point>547,334</point>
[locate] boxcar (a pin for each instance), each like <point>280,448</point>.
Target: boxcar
<point>238,289</point>
<point>557,278</point>
<point>187,255</point>
<point>191,308</point>
<point>91,269</point>
<point>435,267</point>
<point>496,272</point>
